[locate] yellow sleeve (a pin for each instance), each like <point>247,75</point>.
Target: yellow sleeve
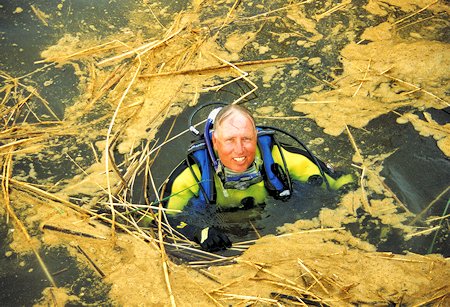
<point>301,168</point>
<point>183,188</point>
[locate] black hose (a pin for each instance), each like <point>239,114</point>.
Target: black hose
<point>313,157</point>
<point>322,173</point>
<point>191,117</point>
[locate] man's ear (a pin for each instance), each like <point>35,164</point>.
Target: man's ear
<point>214,140</point>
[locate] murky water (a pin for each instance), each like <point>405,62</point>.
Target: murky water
<point>417,172</point>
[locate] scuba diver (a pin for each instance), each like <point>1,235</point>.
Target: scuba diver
<point>235,165</point>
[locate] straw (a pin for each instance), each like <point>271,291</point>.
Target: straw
<point>415,13</point>
<point>5,189</point>
<point>299,261</point>
<point>215,68</point>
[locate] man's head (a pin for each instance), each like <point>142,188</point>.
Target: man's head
<point>234,137</point>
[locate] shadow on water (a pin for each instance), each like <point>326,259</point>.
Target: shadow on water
<point>22,280</point>
<point>417,171</point>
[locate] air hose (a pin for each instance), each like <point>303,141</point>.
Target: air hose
<point>210,122</point>
<point>306,149</point>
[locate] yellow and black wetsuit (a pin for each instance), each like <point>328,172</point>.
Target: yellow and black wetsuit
<point>193,187</point>
<point>183,186</point>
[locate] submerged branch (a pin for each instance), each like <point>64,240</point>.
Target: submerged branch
<point>72,232</point>
<point>214,68</point>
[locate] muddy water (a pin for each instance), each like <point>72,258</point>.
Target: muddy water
<point>333,50</point>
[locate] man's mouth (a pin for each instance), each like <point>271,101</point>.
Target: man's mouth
<point>239,159</point>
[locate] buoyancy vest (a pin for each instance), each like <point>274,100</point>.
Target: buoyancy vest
<point>276,180</point>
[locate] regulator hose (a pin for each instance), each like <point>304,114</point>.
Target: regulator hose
<point>322,173</point>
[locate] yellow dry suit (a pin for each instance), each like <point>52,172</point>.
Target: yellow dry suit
<point>195,182</point>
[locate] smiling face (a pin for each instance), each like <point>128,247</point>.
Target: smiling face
<point>234,139</point>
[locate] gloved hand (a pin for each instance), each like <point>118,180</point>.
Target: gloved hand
<point>211,239</point>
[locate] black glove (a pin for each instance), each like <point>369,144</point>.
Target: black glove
<point>211,239</point>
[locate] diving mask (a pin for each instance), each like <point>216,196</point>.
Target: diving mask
<point>240,180</point>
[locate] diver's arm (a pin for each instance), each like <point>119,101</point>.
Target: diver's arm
<point>193,223</point>
<point>182,189</point>
<point>301,168</point>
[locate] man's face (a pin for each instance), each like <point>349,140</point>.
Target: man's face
<point>235,142</point>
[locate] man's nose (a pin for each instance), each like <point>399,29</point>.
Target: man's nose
<point>239,147</point>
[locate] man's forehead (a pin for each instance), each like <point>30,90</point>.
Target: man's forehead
<point>237,119</point>
<point>237,123</point>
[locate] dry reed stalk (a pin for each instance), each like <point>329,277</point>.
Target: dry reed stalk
<point>363,79</point>
<point>218,258</point>
<point>154,15</point>
<point>142,206</point>
<point>415,13</point>
<point>44,102</point>
<point>394,257</point>
<point>162,249</point>
<point>419,216</point>
<point>141,50</point>
<point>436,296</point>
<point>92,77</point>
<point>215,68</point>
<point>321,80</point>
<point>107,141</point>
<point>415,22</point>
<point>35,129</point>
<point>297,289</point>
<point>415,87</point>
<point>277,10</point>
<point>94,265</point>
<point>255,299</point>
<point>72,232</point>
<point>242,76</point>
<point>300,262</point>
<point>30,188</point>
<point>17,107</point>
<point>6,177</point>
<point>81,210</point>
<point>44,67</point>
<point>310,231</point>
<point>19,142</point>
<point>113,78</point>
<point>423,232</point>
<point>438,218</point>
<point>355,147</point>
<point>84,52</point>
<point>255,230</point>
<point>236,280</point>
<point>233,8</point>
<point>364,198</point>
<point>94,152</point>
<point>85,173</point>
<point>332,10</point>
<point>40,15</point>
<point>260,267</point>
<point>165,268</point>
<point>209,276</point>
<point>378,177</point>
